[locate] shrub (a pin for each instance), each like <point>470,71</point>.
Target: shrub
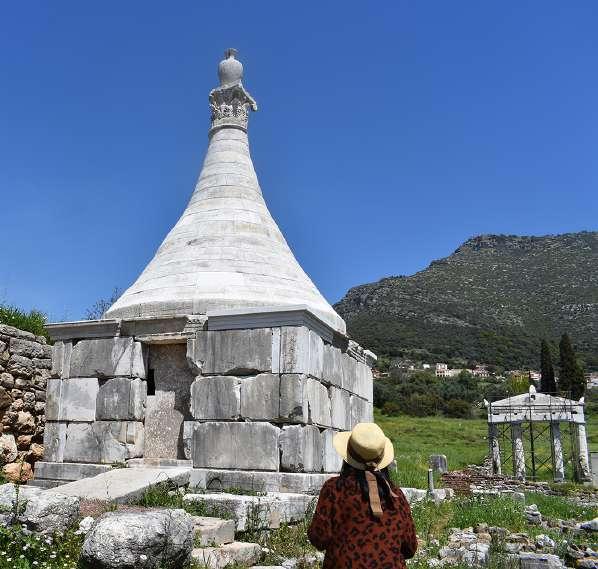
<point>391,409</point>
<point>33,321</point>
<point>458,409</point>
<point>423,405</point>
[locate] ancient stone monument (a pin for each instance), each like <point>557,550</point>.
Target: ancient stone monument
<point>223,353</point>
<point>530,417</point>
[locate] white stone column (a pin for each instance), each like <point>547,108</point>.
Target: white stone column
<point>557,452</point>
<point>582,458</point>
<point>494,448</point>
<point>518,452</point>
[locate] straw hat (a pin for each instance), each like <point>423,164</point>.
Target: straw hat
<point>366,447</point>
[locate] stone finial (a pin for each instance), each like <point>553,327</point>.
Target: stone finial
<point>230,70</point>
<point>230,103</point>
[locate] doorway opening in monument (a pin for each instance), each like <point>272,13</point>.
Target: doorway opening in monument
<point>168,396</point>
<point>151,382</point>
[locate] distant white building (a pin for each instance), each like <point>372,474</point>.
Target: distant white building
<point>441,370</point>
<point>480,371</point>
<point>535,376</point>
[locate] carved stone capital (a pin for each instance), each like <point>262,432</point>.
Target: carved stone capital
<point>230,107</point>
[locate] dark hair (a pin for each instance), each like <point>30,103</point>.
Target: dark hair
<point>385,486</point>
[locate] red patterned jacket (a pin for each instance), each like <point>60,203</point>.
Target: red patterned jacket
<point>352,537</point>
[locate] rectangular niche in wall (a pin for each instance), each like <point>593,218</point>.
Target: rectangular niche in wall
<point>168,406</point>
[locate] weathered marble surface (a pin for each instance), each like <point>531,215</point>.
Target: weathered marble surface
<point>225,251</point>
<point>301,448</point>
<point>248,446</point>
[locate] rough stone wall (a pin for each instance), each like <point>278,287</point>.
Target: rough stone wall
<point>25,363</point>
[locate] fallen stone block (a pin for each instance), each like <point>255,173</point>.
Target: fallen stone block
<point>12,502</point>
<point>49,513</point>
<point>213,531</point>
<point>121,485</point>
<point>122,399</point>
<point>246,446</point>
<point>149,539</point>
<point>111,357</point>
<point>300,448</point>
<point>68,471</point>
<point>539,561</point>
<point>238,553</point>
<point>216,398</point>
<point>260,397</point>
<point>231,352</point>
<point>256,512</point>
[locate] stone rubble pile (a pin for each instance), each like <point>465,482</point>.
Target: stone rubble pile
<point>472,546</point>
<point>25,364</point>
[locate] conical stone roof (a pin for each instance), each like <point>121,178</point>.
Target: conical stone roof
<point>226,251</point>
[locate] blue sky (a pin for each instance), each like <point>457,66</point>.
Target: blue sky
<point>388,133</point>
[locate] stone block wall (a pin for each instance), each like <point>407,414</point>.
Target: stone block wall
<point>266,400</point>
<point>96,398</point>
<point>271,399</point>
<point>25,362</point>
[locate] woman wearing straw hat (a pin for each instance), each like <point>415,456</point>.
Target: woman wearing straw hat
<point>362,520</point>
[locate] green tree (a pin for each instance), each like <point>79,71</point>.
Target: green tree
<point>571,378</point>
<point>547,381</point>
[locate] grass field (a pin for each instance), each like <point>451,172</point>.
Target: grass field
<point>462,441</point>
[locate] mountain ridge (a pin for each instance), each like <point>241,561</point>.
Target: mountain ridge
<point>491,300</point>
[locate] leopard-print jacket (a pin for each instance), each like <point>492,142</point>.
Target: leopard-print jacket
<point>352,537</point>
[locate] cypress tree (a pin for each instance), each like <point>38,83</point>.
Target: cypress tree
<point>547,382</point>
<point>571,377</point>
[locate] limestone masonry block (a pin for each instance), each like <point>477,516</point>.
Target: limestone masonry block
<point>301,448</point>
<point>68,470</point>
<point>260,397</point>
<point>293,405</point>
<point>357,377</point>
<point>340,403</point>
<point>54,441</point>
<point>294,349</point>
<point>231,352</point>
<point>252,480</point>
<point>216,397</point>
<point>318,403</point>
<point>246,446</point>
<point>110,357</point>
<point>361,411</point>
<point>103,442</point>
<point>331,460</point>
<point>61,359</point>
<point>316,355</point>
<point>72,399</point>
<point>333,365</point>
<point>123,399</point>
<point>188,428</point>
